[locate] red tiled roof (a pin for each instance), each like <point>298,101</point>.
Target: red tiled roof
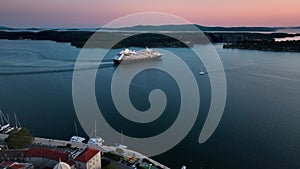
<point>13,153</point>
<point>47,153</point>
<point>6,163</point>
<point>86,155</point>
<point>17,166</point>
<point>11,164</point>
<point>70,162</point>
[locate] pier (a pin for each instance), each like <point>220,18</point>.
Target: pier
<point>103,148</point>
<point>62,143</point>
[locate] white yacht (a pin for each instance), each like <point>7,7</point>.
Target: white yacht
<point>76,138</point>
<point>95,140</point>
<point>11,128</point>
<point>202,72</point>
<point>122,146</point>
<point>4,124</point>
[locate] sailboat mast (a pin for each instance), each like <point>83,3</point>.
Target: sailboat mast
<point>16,122</point>
<point>75,128</point>
<point>122,139</point>
<point>1,116</point>
<point>95,129</point>
<point>8,118</point>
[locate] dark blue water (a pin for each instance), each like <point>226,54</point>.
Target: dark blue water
<point>260,126</point>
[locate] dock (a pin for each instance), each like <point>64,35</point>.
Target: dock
<point>103,148</point>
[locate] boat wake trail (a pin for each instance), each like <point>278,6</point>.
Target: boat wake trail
<point>231,69</point>
<point>278,77</point>
<point>36,70</point>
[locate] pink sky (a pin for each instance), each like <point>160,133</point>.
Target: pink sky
<point>89,13</point>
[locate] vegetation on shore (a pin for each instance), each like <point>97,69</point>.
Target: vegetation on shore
<point>19,139</point>
<point>254,41</point>
<point>112,156</point>
<point>106,164</point>
<point>282,46</point>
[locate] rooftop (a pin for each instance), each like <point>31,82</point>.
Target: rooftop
<point>14,165</point>
<point>47,153</point>
<point>86,155</point>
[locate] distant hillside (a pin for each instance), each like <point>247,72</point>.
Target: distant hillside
<point>192,28</point>
<point>251,29</point>
<point>6,28</point>
<point>298,27</point>
<point>239,40</point>
<point>186,27</point>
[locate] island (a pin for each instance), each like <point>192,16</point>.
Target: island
<point>155,39</point>
<point>282,46</point>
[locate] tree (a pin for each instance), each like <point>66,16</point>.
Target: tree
<point>106,164</point>
<point>19,139</point>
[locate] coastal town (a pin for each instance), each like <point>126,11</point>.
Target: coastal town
<point>21,150</point>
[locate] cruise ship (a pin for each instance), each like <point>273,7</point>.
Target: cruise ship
<point>128,55</point>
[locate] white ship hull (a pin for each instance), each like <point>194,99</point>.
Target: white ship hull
<point>132,56</point>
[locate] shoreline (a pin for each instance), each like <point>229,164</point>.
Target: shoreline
<point>274,46</point>
<point>238,40</point>
<point>48,142</point>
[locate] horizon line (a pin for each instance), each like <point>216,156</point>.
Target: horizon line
<point>93,26</point>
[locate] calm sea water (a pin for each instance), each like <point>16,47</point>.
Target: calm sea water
<point>260,127</point>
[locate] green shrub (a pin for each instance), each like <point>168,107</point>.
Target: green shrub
<point>19,139</point>
<point>106,164</point>
<point>112,156</point>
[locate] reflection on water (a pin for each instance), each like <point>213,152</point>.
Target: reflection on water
<point>287,39</point>
<point>287,30</point>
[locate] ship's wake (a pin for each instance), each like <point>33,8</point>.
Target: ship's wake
<point>13,70</point>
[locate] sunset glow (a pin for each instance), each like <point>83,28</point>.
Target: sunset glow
<point>78,13</point>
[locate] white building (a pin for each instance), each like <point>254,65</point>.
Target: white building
<point>89,158</point>
<point>62,165</point>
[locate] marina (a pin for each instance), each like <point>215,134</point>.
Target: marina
<point>5,126</point>
<point>46,142</point>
